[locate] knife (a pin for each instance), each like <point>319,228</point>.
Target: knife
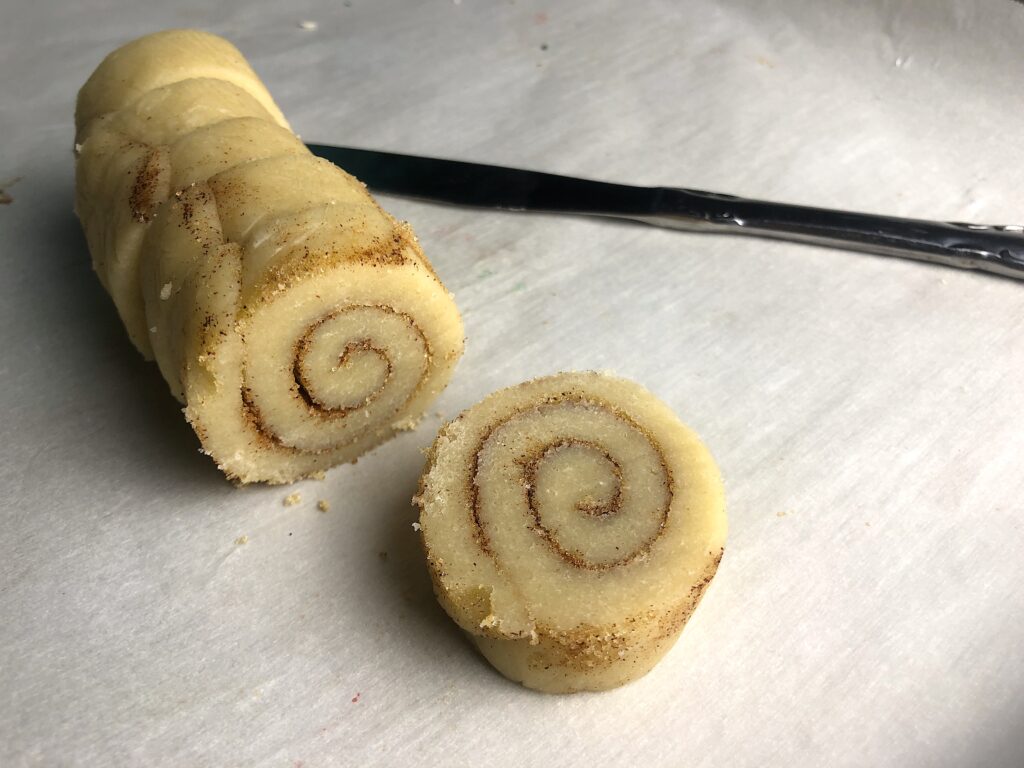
<point>997,249</point>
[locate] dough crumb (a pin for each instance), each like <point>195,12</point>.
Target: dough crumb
<point>323,505</point>
<point>292,499</point>
<point>243,539</point>
<point>405,425</point>
<point>383,556</point>
<point>318,475</point>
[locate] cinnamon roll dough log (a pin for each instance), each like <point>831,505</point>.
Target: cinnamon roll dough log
<point>298,322</point>
<point>163,58</point>
<point>571,526</point>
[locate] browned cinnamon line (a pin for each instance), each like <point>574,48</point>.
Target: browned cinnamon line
<point>578,559</point>
<point>593,509</point>
<point>572,556</point>
<point>252,416</point>
<point>586,646</point>
<point>146,192</point>
<point>305,391</point>
<point>303,343</point>
<point>472,490</point>
<point>258,423</point>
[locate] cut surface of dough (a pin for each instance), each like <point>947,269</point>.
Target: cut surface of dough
<point>571,525</point>
<point>298,322</point>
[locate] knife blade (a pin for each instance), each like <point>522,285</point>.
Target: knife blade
<point>996,249</point>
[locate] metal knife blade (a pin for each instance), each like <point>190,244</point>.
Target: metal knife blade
<point>997,249</point>
<point>485,186</point>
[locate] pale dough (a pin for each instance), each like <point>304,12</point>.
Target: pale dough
<point>297,321</point>
<point>571,526</point>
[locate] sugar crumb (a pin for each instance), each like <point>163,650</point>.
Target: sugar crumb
<point>405,425</point>
<point>165,292</point>
<point>309,26</point>
<point>417,527</point>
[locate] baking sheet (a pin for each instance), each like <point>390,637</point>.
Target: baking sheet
<point>867,413</point>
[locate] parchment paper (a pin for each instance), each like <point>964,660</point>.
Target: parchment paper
<point>867,413</point>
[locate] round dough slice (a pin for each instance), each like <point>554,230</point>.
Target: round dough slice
<point>298,322</point>
<point>571,525</point>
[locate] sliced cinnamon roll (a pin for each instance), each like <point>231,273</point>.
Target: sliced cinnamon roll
<point>299,323</point>
<point>571,525</point>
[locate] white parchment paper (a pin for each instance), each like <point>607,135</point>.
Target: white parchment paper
<point>867,413</point>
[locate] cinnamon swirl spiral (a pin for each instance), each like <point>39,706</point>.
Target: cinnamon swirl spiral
<point>297,321</point>
<point>571,526</point>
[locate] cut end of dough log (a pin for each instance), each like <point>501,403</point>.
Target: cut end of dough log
<point>571,526</point>
<point>299,323</point>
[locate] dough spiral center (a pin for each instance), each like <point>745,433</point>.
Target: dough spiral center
<point>350,358</point>
<point>579,476</point>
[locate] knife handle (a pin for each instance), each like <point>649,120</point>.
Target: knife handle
<point>995,249</point>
